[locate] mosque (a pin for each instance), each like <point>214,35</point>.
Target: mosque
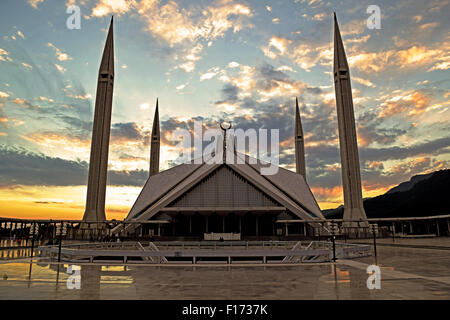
<point>231,200</point>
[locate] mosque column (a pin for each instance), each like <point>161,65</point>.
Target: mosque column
<point>190,224</point>
<point>240,225</point>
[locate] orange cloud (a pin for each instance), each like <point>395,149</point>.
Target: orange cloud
<point>4,55</point>
<point>60,145</point>
<point>60,55</point>
<point>287,143</point>
<point>408,166</point>
<point>106,7</point>
<point>375,189</point>
<point>412,58</point>
<point>333,167</point>
<point>305,55</point>
<point>34,3</point>
<point>376,165</point>
<point>411,102</point>
<point>328,194</point>
<point>175,25</point>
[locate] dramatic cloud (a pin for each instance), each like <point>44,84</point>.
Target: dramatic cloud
<point>4,55</point>
<point>222,60</point>
<point>20,167</point>
<point>60,55</point>
<point>414,57</point>
<point>176,26</point>
<point>106,7</point>
<point>34,3</point>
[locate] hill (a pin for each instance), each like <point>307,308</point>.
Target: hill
<point>422,195</point>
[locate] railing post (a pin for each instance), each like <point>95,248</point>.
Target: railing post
<point>393,231</point>
<point>374,243</point>
<point>437,227</point>
<point>374,229</point>
<point>33,226</point>
<point>334,247</point>
<point>60,243</point>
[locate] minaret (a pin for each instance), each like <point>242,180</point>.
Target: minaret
<point>98,165</point>
<point>299,143</point>
<point>155,144</point>
<point>351,177</point>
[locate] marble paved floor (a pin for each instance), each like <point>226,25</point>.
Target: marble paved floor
<point>406,273</point>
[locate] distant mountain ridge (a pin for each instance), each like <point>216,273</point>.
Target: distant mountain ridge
<point>408,185</point>
<point>422,195</point>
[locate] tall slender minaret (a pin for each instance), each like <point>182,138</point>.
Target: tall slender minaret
<point>98,165</point>
<point>299,143</point>
<point>351,177</point>
<point>155,144</point>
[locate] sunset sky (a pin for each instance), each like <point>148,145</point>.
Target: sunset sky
<point>240,61</point>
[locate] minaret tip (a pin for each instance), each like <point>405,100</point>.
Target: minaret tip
<point>336,25</point>
<point>107,63</point>
<point>156,119</point>
<point>299,143</point>
<point>340,59</point>
<point>155,143</point>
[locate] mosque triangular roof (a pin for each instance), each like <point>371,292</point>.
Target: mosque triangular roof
<point>285,187</point>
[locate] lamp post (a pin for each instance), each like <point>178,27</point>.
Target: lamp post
<point>34,230</point>
<point>334,229</point>
<point>374,229</point>
<point>62,230</point>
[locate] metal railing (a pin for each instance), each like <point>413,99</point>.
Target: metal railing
<point>21,232</point>
<point>135,252</point>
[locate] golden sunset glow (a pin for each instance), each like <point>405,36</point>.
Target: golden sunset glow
<point>212,61</point>
<point>62,202</point>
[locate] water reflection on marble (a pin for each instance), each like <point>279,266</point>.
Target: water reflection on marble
<point>426,276</point>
